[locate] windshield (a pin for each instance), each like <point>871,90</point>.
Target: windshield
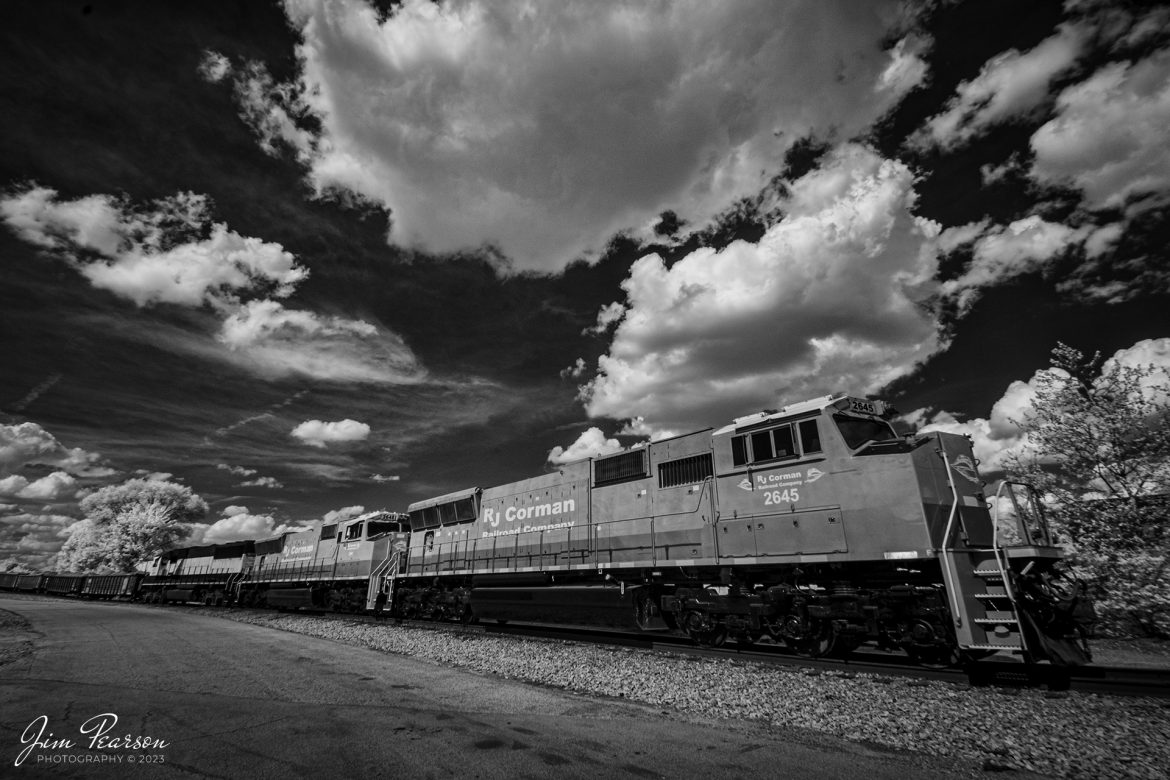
<point>858,431</point>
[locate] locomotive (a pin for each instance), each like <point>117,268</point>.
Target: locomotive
<point>816,525</point>
<point>335,566</point>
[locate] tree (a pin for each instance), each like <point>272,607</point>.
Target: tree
<point>129,523</point>
<point>1098,449</point>
<point>12,566</point>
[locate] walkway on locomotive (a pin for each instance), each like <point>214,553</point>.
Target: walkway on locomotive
<point>821,481</point>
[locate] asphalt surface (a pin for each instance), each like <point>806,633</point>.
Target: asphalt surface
<point>235,700</point>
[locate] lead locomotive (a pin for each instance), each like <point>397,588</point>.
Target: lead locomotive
<point>817,525</point>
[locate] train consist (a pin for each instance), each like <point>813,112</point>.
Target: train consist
<point>816,525</point>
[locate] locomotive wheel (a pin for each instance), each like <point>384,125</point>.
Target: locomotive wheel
<point>716,637</point>
<point>938,657</point>
<point>928,651</point>
<point>749,639</point>
<point>704,631</point>
<point>818,642</point>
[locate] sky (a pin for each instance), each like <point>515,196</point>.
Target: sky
<point>321,257</point>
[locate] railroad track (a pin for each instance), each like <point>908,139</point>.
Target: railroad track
<point>1006,675</point>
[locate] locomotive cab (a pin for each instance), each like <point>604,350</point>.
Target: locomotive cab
<point>822,481</point>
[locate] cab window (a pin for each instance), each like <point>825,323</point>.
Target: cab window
<point>773,444</point>
<point>353,532</point>
<point>810,436</point>
<point>465,510</point>
<point>857,430</point>
<point>378,527</point>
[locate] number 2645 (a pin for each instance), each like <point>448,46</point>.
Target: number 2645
<point>789,496</point>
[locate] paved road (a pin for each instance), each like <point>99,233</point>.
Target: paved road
<point>235,700</point>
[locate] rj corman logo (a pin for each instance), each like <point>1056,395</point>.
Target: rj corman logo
<point>965,468</point>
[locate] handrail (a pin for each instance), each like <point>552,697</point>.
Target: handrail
<point>1001,555</point>
<point>1041,533</point>
<point>375,583</point>
<point>954,502</point>
<point>952,590</point>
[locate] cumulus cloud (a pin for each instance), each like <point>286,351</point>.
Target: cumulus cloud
<point>317,433</point>
<point>1001,253</point>
<point>273,111</point>
<point>237,524</point>
<point>1000,436</point>
<point>343,514</point>
<point>279,341</point>
<point>171,252</point>
<point>385,478</point>
<point>134,253</point>
<point>906,70</point>
<point>1108,138</point>
<point>238,471</point>
<point>1148,352</point>
<point>214,67</point>
<point>28,444</point>
<point>56,486</point>
<point>576,370</point>
<point>154,476</point>
<point>199,271</point>
<point>828,299</point>
<point>265,482</point>
<point>1009,84</point>
<point>592,443</point>
<point>994,439</point>
<point>547,128</point>
<point>33,537</point>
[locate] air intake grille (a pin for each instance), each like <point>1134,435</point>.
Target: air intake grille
<point>620,468</point>
<point>684,471</point>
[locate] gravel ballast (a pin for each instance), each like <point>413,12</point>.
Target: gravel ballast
<point>1064,735</point>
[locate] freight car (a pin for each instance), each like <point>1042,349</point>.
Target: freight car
<point>92,586</point>
<point>816,525</point>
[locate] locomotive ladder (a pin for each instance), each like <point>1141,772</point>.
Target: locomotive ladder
<point>385,571</point>
<point>984,611</point>
<point>235,583</point>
